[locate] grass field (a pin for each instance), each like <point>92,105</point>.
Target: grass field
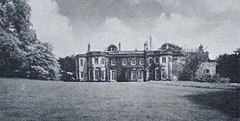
<point>23,99</point>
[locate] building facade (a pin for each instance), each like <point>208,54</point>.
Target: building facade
<point>113,64</point>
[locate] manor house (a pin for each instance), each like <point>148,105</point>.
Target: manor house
<point>114,64</point>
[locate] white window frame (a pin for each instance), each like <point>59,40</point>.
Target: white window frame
<point>96,61</point>
<point>133,61</point>
<point>132,76</point>
<point>164,58</point>
<point>141,61</point>
<point>155,59</point>
<point>124,61</point>
<point>81,75</point>
<point>115,62</point>
<point>102,61</point>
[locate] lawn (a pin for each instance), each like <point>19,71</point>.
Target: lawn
<point>23,99</point>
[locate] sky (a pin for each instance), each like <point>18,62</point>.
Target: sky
<point>69,25</point>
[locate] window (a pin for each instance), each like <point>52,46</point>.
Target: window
<point>90,61</point>
<point>113,75</point>
<point>156,59</point>
<point>124,61</point>
<point>141,74</point>
<point>133,61</point>
<point>113,62</point>
<point>97,74</point>
<point>175,59</point>
<point>102,75</point>
<point>164,60</point>
<point>134,74</point>
<point>103,61</point>
<point>206,71</point>
<point>150,60</point>
<point>81,74</point>
<point>141,62</point>
<point>96,60</point>
<point>169,59</point>
<point>81,62</point>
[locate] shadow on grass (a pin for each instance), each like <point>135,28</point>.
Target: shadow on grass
<point>226,101</point>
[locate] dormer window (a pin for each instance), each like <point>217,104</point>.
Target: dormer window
<point>113,62</point>
<point>124,61</point>
<point>133,61</point>
<point>112,48</point>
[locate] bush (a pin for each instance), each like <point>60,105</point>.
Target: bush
<point>213,79</point>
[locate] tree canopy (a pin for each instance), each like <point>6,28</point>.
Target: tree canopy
<point>22,54</point>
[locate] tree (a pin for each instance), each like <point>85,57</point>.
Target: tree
<point>193,59</point>
<point>228,67</point>
<point>22,54</point>
<point>68,69</point>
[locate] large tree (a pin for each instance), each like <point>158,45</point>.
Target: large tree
<point>68,68</point>
<point>22,54</point>
<point>228,67</point>
<point>193,60</point>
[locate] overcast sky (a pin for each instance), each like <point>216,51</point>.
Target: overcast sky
<point>69,25</point>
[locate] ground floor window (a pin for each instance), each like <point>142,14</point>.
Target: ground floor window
<point>97,74</point>
<point>134,74</point>
<point>141,74</point>
<point>81,74</point>
<point>102,75</point>
<point>113,75</point>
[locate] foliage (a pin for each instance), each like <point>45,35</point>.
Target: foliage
<point>22,54</point>
<point>121,71</point>
<point>177,68</point>
<point>228,67</point>
<point>193,59</point>
<point>67,66</point>
<point>213,79</point>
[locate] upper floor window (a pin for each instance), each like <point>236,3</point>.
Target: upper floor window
<point>124,61</point>
<point>113,62</point>
<point>96,60</point>
<point>174,59</point>
<point>164,60</point>
<point>156,59</point>
<point>103,61</point>
<point>169,59</point>
<point>141,62</point>
<point>150,60</point>
<point>133,61</point>
<point>81,62</point>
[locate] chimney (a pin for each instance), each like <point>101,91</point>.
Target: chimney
<point>119,46</point>
<point>146,45</point>
<point>89,47</point>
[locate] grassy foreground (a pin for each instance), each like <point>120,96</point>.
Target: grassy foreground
<point>23,99</point>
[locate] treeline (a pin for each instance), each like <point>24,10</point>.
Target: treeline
<point>21,53</point>
<point>227,69</point>
<point>68,68</point>
<point>229,66</point>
